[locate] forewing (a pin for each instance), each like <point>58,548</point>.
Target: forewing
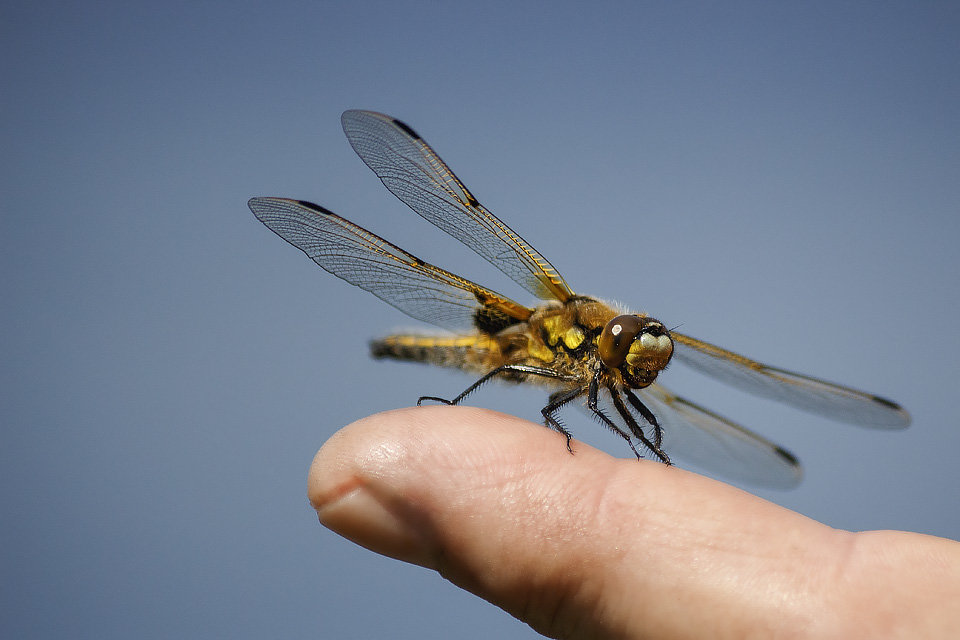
<point>716,444</point>
<point>804,392</point>
<point>413,172</point>
<point>417,288</point>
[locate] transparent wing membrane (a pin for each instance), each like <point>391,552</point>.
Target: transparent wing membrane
<point>419,289</point>
<point>797,390</point>
<point>714,443</point>
<point>413,172</point>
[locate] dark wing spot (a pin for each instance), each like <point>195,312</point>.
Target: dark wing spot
<point>887,403</point>
<point>406,129</point>
<point>786,455</point>
<point>311,206</point>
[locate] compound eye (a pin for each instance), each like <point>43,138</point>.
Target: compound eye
<point>616,338</point>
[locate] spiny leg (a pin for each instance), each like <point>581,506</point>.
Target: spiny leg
<point>507,368</point>
<point>647,415</point>
<point>556,401</point>
<point>593,406</point>
<point>634,427</point>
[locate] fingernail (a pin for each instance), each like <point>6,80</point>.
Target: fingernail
<point>379,523</point>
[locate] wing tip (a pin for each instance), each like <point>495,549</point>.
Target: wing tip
<point>259,205</point>
<point>793,468</point>
<point>357,115</point>
<point>899,417</point>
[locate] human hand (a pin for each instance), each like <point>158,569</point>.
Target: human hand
<point>589,546</point>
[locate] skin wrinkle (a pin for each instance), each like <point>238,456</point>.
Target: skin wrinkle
<point>860,560</point>
<point>504,493</point>
<point>580,591</point>
<point>647,550</point>
<point>507,586</point>
<point>546,615</point>
<point>574,598</point>
<point>583,586</point>
<point>724,577</point>
<point>779,582</point>
<point>560,581</point>
<point>710,567</point>
<point>549,528</point>
<point>811,589</point>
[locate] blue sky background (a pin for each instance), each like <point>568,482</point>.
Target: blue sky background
<point>779,178</point>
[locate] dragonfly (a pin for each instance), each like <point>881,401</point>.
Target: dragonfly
<point>586,352</point>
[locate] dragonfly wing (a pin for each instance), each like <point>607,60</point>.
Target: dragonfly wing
<point>413,172</point>
<point>804,392</point>
<point>714,443</point>
<point>698,436</point>
<point>417,288</point>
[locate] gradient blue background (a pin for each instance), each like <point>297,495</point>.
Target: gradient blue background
<point>780,178</point>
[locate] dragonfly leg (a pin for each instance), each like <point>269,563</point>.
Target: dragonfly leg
<point>647,415</point>
<point>521,369</point>
<point>556,401</point>
<point>593,405</point>
<point>635,428</point>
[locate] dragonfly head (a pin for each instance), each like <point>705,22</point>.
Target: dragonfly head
<point>638,346</point>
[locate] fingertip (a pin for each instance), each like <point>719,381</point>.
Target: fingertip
<point>387,481</point>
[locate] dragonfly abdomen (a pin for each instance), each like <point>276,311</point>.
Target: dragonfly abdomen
<point>476,353</point>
